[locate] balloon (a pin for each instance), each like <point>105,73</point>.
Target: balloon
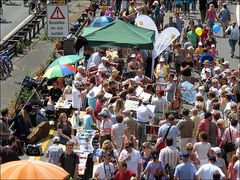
<point>198,31</point>
<point>75,27</point>
<point>216,28</point>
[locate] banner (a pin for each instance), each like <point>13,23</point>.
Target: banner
<point>145,21</point>
<point>164,39</point>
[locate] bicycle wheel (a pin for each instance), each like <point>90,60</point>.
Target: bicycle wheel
<point>6,69</point>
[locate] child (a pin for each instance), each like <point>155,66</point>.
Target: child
<point>213,51</point>
<point>199,49</point>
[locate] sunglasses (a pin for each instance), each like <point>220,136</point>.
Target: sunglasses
<point>189,149</point>
<point>144,147</point>
<point>126,147</point>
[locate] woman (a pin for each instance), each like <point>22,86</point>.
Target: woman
<point>234,87</point>
<point>117,132</point>
<point>155,168</point>
<point>233,35</point>
<point>220,130</point>
<point>210,40</point>
<point>202,148</point>
<point>128,137</point>
<point>134,64</point>
<point>146,154</point>
<point>64,128</point>
<point>231,173</point>
<point>211,16</point>
<point>119,107</point>
<point>98,107</point>
<point>193,158</point>
<point>156,14</point>
<point>161,71</point>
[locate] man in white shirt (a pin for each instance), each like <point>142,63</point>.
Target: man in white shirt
<point>206,171</point>
<point>144,115</point>
<point>77,95</point>
<point>105,169</point>
<point>96,57</point>
<point>132,157</point>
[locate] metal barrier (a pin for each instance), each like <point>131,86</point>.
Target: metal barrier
<point>24,34</point>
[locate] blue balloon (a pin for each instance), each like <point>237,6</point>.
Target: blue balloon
<point>216,28</point>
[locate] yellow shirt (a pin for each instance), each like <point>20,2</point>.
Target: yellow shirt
<point>199,51</point>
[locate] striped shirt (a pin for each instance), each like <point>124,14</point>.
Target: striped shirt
<point>161,106</point>
<point>169,155</point>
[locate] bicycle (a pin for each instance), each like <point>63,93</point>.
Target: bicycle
<point>7,61</point>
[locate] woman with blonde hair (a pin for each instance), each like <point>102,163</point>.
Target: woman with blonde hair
<point>128,137</point>
<point>119,107</point>
<point>64,128</point>
<point>211,16</point>
<point>192,156</point>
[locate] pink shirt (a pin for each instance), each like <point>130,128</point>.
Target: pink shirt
<point>105,127</point>
<point>234,134</point>
<point>211,13</point>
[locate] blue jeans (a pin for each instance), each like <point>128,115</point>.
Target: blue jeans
<point>194,3</point>
<point>168,5</point>
<point>210,23</point>
<point>232,44</point>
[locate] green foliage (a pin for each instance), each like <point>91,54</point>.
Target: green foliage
<point>21,46</point>
<point>44,37</point>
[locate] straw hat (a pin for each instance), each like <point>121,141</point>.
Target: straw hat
<point>115,71</point>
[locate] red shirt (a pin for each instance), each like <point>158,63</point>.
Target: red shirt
<point>124,176</point>
<point>98,108</point>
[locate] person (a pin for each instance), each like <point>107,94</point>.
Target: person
<point>224,17</point>
<point>186,8</point>
<point>69,160</point>
<point>130,122</point>
<point>133,65</point>
<point>203,9</point>
<point>155,168</point>
<point>170,155</point>
<point>105,127</point>
<point>4,128</point>
<point>192,37</point>
<point>117,132</point>
<point>192,156</point>
<point>77,95</point>
<point>170,23</point>
<point>144,115</point>
<point>185,127</point>
<point>233,36</point>
<point>146,154</point>
<point>105,169</point>
<point>91,99</point>
<point>203,126</point>
<point>211,16</point>
<point>124,173</point>
<point>196,119</point>
<point>161,71</point>
<point>186,69</point>
<point>107,147</point>
<point>119,107</point>
<point>128,137</point>
<point>237,169</point>
<point>55,93</point>
<point>88,120</point>
<point>64,128</point>
<point>156,14</point>
<point>131,156</point>
<point>207,170</point>
<point>8,152</point>
<point>173,132</point>
<point>161,106</point>
<point>96,57</point>
<point>231,172</point>
<point>171,88</point>
<point>202,148</point>
<point>54,151</point>
<point>185,170</point>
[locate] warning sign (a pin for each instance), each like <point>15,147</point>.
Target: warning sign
<point>57,20</point>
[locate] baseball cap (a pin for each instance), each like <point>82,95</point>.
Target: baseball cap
<point>217,68</point>
<point>88,110</point>
<point>133,56</point>
<point>216,150</point>
<point>208,70</point>
<point>56,139</point>
<point>200,43</point>
<point>103,114</point>
<point>161,59</point>
<point>226,63</point>
<point>212,46</point>
<point>184,154</point>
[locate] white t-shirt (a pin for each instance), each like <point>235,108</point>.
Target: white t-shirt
<point>202,150</point>
<point>104,171</point>
<point>206,171</point>
<point>94,58</point>
<point>76,99</point>
<point>132,164</point>
<point>237,167</point>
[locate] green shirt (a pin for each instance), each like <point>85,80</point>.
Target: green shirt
<point>192,37</point>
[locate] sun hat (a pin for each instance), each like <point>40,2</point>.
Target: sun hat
<point>208,70</point>
<point>216,150</point>
<point>76,83</point>
<point>56,139</point>
<point>200,44</point>
<point>115,71</point>
<point>101,68</point>
<point>81,68</point>
<point>91,94</point>
<point>133,56</point>
<point>161,59</point>
<point>226,63</point>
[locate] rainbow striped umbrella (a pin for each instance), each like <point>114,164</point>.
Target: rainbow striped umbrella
<point>59,71</point>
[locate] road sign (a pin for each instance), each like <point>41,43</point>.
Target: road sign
<point>57,20</point>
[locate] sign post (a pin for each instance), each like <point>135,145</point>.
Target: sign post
<point>57,16</point>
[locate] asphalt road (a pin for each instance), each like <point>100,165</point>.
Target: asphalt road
<point>13,15</point>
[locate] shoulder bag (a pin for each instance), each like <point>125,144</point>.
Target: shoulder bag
<point>161,142</point>
<point>229,146</point>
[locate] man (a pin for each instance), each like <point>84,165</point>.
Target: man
<point>192,37</point>
<point>224,17</point>
<point>131,157</point>
<point>204,124</point>
<point>173,132</point>
<point>144,115</point>
<point>4,128</point>
<point>185,170</point>
<point>124,173</point>
<point>105,169</point>
<point>203,9</point>
<point>170,23</point>
<point>80,76</point>
<point>55,93</point>
<point>185,126</point>
<point>161,106</point>
<point>69,160</point>
<point>8,152</point>
<point>54,151</point>
<point>170,155</point>
<point>96,57</point>
<point>88,120</point>
<point>139,56</point>
<point>186,69</point>
<point>77,95</point>
<point>206,171</point>
<point>171,89</point>
<point>130,122</point>
<point>205,56</point>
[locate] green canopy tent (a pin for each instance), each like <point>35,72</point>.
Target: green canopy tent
<point>120,34</point>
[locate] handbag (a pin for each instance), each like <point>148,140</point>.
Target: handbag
<point>34,150</point>
<point>229,146</point>
<point>161,142</point>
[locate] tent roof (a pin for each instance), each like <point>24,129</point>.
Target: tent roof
<point>120,34</point>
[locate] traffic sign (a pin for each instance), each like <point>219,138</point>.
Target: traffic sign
<point>57,20</point>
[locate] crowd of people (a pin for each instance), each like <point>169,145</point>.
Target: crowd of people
<point>201,140</point>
